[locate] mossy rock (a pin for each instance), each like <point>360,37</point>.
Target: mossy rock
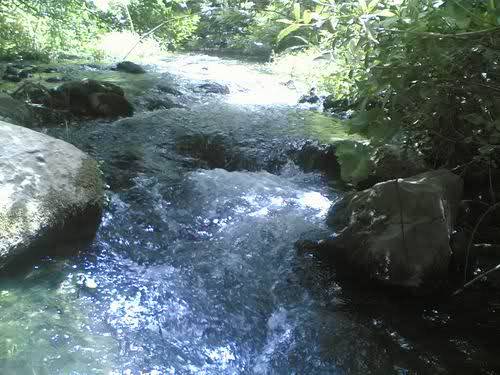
<point>51,195</point>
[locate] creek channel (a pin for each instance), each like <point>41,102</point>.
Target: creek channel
<point>194,270</point>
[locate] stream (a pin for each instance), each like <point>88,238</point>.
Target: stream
<point>194,269</point>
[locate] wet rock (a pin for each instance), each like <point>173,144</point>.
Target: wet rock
<point>388,162</point>
<point>45,116</point>
<point>332,104</point>
<point>398,232</point>
<point>219,151</point>
<point>11,70</point>
<point>108,104</point>
<point>32,93</point>
<point>155,102</point>
<point>214,88</point>
<point>27,73</point>
<point>395,161</point>
<point>213,150</point>
<point>162,87</point>
<point>312,97</point>
<point>50,70</point>
<point>92,98</point>
<point>11,78</point>
<point>93,67</point>
<point>16,73</point>
<point>52,195</point>
<point>56,79</point>
<point>14,111</point>
<point>18,65</point>
<point>130,67</point>
<point>313,156</point>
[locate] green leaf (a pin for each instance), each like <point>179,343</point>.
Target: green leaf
<point>307,17</point>
<point>296,11</point>
<point>363,5</point>
<point>384,13</point>
<point>354,160</point>
<point>287,31</point>
<point>283,20</point>
<point>334,21</point>
<point>369,32</point>
<point>373,4</point>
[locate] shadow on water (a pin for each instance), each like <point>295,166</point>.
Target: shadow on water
<point>393,331</point>
<point>194,270</point>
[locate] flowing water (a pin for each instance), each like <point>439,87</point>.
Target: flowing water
<point>194,270</point>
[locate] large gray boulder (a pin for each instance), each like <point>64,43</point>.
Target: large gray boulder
<point>398,232</point>
<point>51,195</point>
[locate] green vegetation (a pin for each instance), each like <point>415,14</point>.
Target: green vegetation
<point>44,29</point>
<point>429,67</point>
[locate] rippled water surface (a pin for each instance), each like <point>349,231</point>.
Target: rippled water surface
<point>194,270</point>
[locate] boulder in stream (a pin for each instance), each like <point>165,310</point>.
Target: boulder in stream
<point>51,195</point>
<point>214,88</point>
<point>398,232</point>
<point>130,67</point>
<point>91,98</point>
<point>311,98</point>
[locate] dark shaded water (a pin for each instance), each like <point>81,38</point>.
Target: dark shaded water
<point>194,270</point>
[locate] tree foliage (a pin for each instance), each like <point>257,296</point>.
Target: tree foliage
<point>47,28</point>
<point>41,28</point>
<point>425,66</point>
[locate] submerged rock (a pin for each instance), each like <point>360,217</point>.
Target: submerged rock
<point>51,195</point>
<point>130,67</point>
<point>398,232</point>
